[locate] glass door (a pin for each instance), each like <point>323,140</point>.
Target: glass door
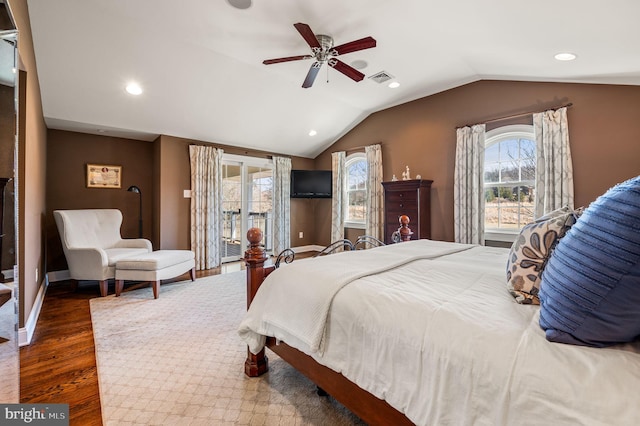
<point>260,203</point>
<point>231,210</point>
<point>247,202</point>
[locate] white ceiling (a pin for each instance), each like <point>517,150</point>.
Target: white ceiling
<point>200,61</point>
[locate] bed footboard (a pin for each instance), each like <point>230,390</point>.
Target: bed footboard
<point>255,258</point>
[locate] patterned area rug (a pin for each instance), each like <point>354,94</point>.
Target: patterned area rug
<point>178,360</point>
<point>9,354</point>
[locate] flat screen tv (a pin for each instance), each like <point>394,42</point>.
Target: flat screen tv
<point>311,184</point>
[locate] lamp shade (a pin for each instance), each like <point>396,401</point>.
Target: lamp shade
<point>135,189</point>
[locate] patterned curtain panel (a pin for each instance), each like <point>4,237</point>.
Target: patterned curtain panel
<point>338,199</point>
<point>468,191</point>
<point>554,170</point>
<point>281,204</point>
<point>374,206</point>
<point>206,205</point>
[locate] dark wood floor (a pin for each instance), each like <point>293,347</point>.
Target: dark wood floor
<point>59,366</point>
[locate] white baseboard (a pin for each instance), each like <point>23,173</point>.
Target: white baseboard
<point>25,334</point>
<point>55,276</point>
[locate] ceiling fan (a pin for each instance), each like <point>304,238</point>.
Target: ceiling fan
<point>323,50</point>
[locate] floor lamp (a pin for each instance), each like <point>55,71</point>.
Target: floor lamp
<point>135,189</point>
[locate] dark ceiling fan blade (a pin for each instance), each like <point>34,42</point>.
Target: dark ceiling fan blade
<point>345,69</point>
<point>308,35</point>
<point>353,46</point>
<point>311,75</point>
<point>287,59</point>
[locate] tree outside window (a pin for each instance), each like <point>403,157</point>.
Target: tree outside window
<point>356,190</point>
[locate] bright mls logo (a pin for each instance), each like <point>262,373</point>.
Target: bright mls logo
<point>34,414</point>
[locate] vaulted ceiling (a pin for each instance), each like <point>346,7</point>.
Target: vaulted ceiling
<point>199,62</point>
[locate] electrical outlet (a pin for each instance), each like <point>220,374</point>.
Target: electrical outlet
<point>186,193</point>
<point>301,234</point>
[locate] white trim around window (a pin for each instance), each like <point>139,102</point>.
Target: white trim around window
<point>519,131</point>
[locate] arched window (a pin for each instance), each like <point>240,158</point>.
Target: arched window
<point>356,190</point>
<point>509,180</point>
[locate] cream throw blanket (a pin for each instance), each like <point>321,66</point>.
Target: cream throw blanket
<point>294,301</point>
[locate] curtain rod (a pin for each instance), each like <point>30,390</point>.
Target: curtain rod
<point>356,148</point>
<point>522,114</point>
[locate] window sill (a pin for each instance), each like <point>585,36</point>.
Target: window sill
<point>503,236</point>
<point>355,225</point>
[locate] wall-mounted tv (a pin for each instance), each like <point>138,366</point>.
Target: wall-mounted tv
<point>311,184</point>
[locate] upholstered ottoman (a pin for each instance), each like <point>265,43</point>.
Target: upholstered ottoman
<point>155,266</point>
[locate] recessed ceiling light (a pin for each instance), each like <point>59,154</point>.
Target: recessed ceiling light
<point>240,4</point>
<point>312,132</point>
<point>565,56</point>
<point>394,84</point>
<point>134,89</point>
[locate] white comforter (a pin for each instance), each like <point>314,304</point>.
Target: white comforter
<point>442,341</point>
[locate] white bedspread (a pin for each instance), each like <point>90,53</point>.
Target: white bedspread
<point>442,341</point>
<point>307,289</point>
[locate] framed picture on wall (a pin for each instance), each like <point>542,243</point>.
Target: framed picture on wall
<point>104,176</point>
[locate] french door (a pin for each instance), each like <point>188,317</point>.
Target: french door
<point>247,202</point>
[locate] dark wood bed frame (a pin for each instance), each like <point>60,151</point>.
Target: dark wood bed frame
<point>368,407</point>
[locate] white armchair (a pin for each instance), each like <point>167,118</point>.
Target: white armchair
<point>92,243</point>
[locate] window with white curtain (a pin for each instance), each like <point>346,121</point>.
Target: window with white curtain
<point>509,181</point>
<point>356,190</point>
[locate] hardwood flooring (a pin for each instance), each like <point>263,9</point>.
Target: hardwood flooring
<point>59,366</point>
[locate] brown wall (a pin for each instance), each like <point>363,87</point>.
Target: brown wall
<point>68,155</point>
<point>173,216</point>
<point>32,152</point>
<point>604,124</point>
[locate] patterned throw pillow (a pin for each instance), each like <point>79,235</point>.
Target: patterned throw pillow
<point>531,251</point>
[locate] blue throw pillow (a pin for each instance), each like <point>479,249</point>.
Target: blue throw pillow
<point>590,287</point>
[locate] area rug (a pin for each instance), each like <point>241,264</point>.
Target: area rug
<point>9,354</point>
<point>178,360</point>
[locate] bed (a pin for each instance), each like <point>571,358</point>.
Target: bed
<point>425,332</point>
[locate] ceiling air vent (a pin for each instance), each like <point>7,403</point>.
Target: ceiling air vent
<point>381,77</point>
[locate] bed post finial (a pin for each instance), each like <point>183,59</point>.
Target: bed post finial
<point>404,231</point>
<point>254,258</point>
